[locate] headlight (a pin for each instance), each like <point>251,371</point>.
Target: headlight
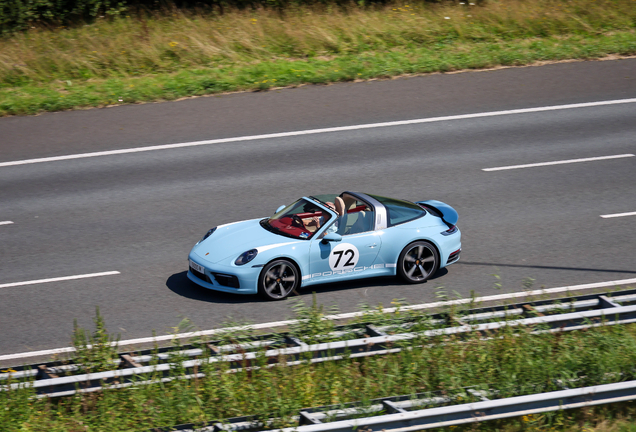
<point>246,257</point>
<point>208,234</point>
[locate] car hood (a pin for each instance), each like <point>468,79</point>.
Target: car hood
<point>231,240</point>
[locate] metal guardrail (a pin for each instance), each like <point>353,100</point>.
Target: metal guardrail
<point>592,310</point>
<point>405,413</point>
<point>401,420</point>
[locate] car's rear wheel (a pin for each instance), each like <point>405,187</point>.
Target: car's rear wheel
<point>418,262</point>
<point>278,279</point>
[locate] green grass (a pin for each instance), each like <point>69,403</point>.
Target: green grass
<point>516,362</point>
<point>174,55</point>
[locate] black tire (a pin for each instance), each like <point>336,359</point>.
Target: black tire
<point>418,262</point>
<point>278,279</point>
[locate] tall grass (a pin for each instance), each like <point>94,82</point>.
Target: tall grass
<point>175,40</point>
<point>513,363</point>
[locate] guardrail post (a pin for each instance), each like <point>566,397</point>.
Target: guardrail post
<point>559,383</point>
<point>391,408</point>
<point>292,340</point>
<point>373,331</point>
<point>477,394</point>
<point>218,427</point>
<point>528,310</point>
<point>306,419</point>
<point>43,373</point>
<point>128,362</point>
<point>605,302</point>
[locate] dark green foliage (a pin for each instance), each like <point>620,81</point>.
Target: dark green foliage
<point>23,14</point>
<point>95,352</point>
<point>17,15</point>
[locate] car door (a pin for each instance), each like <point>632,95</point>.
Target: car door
<point>352,257</point>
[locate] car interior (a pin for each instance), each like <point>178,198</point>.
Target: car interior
<point>357,217</point>
<point>354,216</point>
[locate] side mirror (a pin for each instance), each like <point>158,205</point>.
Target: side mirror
<point>280,208</point>
<point>331,237</point>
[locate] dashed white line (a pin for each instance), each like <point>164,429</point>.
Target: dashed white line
<point>318,131</point>
<point>618,215</point>
<point>6,222</point>
<point>569,161</point>
<point>58,279</point>
<point>271,325</point>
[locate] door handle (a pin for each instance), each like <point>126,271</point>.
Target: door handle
<point>372,245</point>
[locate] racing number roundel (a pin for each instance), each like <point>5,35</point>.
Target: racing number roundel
<point>344,256</point>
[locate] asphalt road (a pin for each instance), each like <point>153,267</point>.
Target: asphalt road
<point>140,213</point>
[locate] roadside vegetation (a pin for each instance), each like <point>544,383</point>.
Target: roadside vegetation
<point>175,53</point>
<point>513,362</point>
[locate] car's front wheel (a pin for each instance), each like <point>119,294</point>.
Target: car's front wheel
<point>278,279</point>
<point>418,262</point>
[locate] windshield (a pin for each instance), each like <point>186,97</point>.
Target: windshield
<point>300,220</point>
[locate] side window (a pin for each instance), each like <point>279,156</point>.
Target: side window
<point>400,211</point>
<point>358,217</point>
<point>400,214</point>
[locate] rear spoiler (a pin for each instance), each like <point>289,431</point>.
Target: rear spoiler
<point>441,210</point>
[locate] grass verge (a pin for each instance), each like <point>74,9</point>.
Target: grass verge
<point>31,99</point>
<point>174,55</point>
<point>515,362</point>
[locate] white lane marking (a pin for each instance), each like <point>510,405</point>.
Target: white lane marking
<point>271,325</point>
<point>318,131</point>
<point>569,161</point>
<point>5,222</point>
<point>57,279</point>
<point>618,215</point>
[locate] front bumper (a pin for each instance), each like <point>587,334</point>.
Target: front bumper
<point>232,279</point>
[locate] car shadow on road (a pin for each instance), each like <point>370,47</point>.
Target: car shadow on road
<point>181,285</point>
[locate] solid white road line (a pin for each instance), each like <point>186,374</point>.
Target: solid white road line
<point>569,161</point>
<point>270,325</point>
<point>5,222</point>
<point>618,215</point>
<point>318,131</point>
<point>58,279</point>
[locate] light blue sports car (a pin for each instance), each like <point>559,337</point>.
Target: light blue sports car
<point>327,238</point>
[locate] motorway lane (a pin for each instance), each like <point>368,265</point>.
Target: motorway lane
<point>310,107</point>
<point>140,213</point>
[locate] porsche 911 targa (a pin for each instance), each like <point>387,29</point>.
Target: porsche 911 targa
<point>327,238</point>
